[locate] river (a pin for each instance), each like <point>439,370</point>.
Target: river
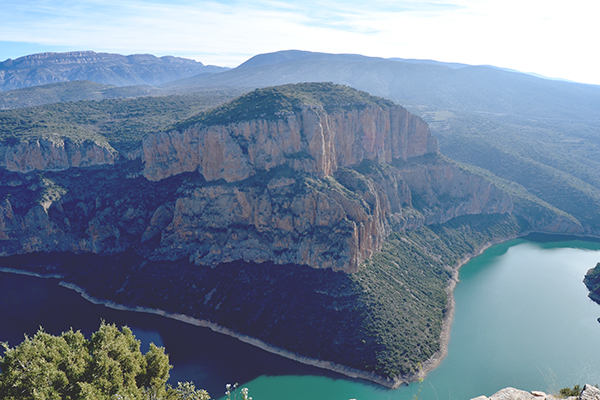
<point>522,319</point>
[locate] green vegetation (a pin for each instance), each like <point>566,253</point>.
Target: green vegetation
<point>273,103</point>
<point>568,392</point>
<point>69,91</point>
<point>550,165</point>
<point>109,365</point>
<point>121,122</point>
<point>405,286</point>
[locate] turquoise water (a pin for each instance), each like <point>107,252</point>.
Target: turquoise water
<point>522,319</point>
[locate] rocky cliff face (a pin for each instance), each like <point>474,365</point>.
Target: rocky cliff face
<point>592,282</point>
<point>304,186</point>
<point>442,191</point>
<point>336,222</point>
<point>309,140</point>
<point>54,153</point>
<point>323,212</point>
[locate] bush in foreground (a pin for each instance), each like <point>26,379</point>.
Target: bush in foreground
<point>109,365</point>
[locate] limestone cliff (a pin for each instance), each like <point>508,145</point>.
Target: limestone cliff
<point>350,177</point>
<point>320,176</point>
<point>308,140</point>
<point>445,191</point>
<point>54,153</point>
<point>337,221</point>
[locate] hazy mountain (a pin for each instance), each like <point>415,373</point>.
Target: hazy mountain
<point>430,62</point>
<point>106,68</point>
<point>417,83</point>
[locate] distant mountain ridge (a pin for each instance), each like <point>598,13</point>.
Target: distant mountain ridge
<point>482,89</point>
<point>106,68</point>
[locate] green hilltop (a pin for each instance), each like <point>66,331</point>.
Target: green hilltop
<point>273,103</point>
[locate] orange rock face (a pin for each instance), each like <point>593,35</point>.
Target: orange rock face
<point>55,154</point>
<point>309,140</point>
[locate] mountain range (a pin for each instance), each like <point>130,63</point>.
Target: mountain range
<point>105,68</point>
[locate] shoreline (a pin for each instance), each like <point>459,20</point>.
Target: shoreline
<point>435,360</point>
<point>427,366</point>
<point>439,355</point>
<point>329,365</point>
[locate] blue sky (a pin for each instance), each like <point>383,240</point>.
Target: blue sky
<point>555,39</point>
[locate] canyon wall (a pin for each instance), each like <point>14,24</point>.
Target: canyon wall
<point>322,213</point>
<point>54,153</point>
<point>308,188</point>
<point>309,140</point>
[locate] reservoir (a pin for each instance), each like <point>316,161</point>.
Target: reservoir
<point>522,319</point>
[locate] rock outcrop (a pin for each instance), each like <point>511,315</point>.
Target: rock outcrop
<point>446,191</point>
<point>54,153</point>
<point>592,282</point>
<point>589,392</point>
<point>308,140</point>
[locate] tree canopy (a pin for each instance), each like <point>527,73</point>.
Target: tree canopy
<point>109,365</point>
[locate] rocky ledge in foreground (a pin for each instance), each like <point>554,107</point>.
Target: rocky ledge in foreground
<point>589,392</point>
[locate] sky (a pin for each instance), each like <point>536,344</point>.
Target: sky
<point>556,39</point>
